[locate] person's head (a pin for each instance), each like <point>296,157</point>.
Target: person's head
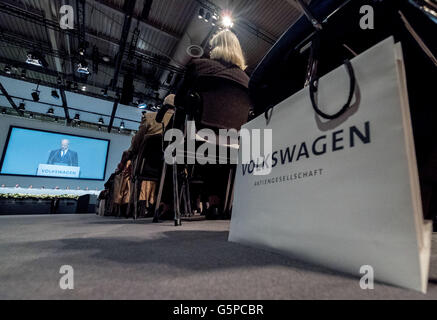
<point>225,46</point>
<point>64,144</point>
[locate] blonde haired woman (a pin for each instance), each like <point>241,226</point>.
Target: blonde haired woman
<point>226,60</point>
<point>226,47</point>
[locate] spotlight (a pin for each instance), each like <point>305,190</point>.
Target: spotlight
<point>100,127</point>
<point>36,59</point>
<point>215,16</point>
<point>142,105</point>
<point>105,92</point>
<point>201,13</point>
<point>55,94</point>
<point>22,106</point>
<point>8,69</point>
<point>35,96</point>
<point>23,74</point>
<point>82,68</point>
<point>83,88</point>
<point>51,111</point>
<point>207,16</point>
<point>81,49</point>
<point>101,121</point>
<point>59,81</point>
<point>227,21</point>
<point>3,111</point>
<point>106,58</point>
<point>76,117</point>
<point>56,119</point>
<point>122,125</point>
<point>31,115</point>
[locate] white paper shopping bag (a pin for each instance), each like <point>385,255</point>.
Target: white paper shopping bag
<point>342,193</point>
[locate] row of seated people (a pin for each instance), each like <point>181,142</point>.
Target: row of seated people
<point>222,87</point>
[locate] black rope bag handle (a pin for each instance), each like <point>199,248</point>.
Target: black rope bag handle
<point>314,79</point>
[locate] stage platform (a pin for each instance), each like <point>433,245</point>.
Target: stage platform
<point>122,259</point>
<point>52,192</point>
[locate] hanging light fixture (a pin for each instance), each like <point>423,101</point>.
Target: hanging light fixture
<point>35,94</point>
<point>55,94</point>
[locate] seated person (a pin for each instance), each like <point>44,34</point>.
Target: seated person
<point>148,127</point>
<point>122,186</point>
<point>226,61</point>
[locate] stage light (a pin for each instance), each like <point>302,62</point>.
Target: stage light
<point>227,21</point>
<point>82,68</point>
<point>36,59</point>
<point>59,81</point>
<point>35,96</point>
<point>31,115</point>
<point>22,106</point>
<point>51,111</point>
<point>3,111</point>
<point>56,119</point>
<point>100,127</point>
<point>207,16</point>
<point>142,105</point>
<point>82,49</point>
<point>55,94</point>
<point>122,125</point>
<point>105,92</point>
<point>76,117</point>
<point>201,13</point>
<point>8,69</point>
<point>83,88</point>
<point>23,73</point>
<point>101,121</point>
<point>215,16</point>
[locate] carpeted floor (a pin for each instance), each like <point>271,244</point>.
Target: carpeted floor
<point>123,259</point>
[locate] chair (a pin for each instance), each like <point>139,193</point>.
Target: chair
<point>147,166</point>
<point>215,103</point>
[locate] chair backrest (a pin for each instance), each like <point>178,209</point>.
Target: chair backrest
<point>149,161</point>
<point>225,104</point>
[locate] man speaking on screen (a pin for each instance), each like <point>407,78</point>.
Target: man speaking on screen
<point>63,156</point>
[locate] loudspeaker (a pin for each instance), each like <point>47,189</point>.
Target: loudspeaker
<point>128,89</point>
